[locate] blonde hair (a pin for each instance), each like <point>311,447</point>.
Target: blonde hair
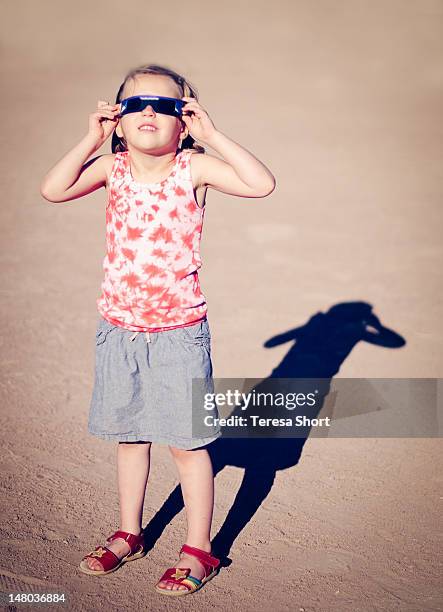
<point>186,89</point>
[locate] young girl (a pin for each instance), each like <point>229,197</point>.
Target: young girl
<point>153,335</point>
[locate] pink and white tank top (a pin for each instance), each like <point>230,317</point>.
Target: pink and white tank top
<point>153,233</point>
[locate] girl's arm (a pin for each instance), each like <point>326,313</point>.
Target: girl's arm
<point>71,177</point>
<point>241,174</point>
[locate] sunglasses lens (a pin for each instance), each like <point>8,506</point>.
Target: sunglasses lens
<point>131,105</point>
<point>164,106</point>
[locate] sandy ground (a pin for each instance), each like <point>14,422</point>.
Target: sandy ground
<point>342,100</point>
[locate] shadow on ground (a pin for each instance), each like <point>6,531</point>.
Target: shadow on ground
<point>318,350</point>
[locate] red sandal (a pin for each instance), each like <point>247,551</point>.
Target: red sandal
<point>109,560</point>
<point>181,575</point>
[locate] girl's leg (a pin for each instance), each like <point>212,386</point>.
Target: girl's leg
<point>197,484</point>
<point>133,461</point>
<point>133,471</point>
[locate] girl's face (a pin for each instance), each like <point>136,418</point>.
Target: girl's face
<point>165,137</point>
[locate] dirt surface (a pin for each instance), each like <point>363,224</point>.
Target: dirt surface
<point>342,101</point>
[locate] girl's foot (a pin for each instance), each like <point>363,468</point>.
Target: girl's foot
<point>197,569</point>
<point>119,547</point>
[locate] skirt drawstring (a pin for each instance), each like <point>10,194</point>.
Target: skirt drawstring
<point>148,337</point>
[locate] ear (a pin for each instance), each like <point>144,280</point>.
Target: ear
<point>118,130</point>
<point>185,132</point>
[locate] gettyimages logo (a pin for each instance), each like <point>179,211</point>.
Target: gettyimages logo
<point>323,407</point>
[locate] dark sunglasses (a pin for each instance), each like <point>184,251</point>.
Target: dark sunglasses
<point>160,104</point>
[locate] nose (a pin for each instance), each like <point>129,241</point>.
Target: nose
<point>148,110</point>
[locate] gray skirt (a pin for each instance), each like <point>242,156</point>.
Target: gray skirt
<point>151,387</point>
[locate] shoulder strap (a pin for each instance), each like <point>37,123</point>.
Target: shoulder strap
<point>118,167</point>
<point>184,166</point>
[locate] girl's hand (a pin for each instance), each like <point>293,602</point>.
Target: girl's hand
<point>197,120</point>
<point>103,122</point>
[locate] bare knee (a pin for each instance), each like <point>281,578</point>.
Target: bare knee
<point>186,456</point>
<point>181,454</point>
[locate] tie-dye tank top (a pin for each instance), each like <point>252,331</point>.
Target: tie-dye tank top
<point>153,233</point>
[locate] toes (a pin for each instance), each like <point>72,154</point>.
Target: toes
<point>168,586</point>
<point>95,565</point>
<point>171,586</point>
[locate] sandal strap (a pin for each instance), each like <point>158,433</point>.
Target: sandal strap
<point>133,540</point>
<point>107,558</point>
<point>180,575</point>
<point>209,562</point>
